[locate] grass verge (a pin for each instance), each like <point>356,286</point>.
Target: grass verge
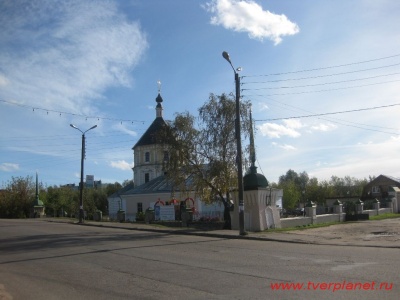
<point>385,216</point>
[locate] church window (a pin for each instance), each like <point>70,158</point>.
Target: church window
<point>166,156</point>
<point>147,157</point>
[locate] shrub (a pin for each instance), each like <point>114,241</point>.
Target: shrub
<point>140,216</point>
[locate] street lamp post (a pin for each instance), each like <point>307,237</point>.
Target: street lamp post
<point>82,159</point>
<point>239,145</point>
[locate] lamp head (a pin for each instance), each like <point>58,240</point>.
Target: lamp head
<point>73,126</point>
<point>226,56</point>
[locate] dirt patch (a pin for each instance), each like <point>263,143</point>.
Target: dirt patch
<point>384,230</point>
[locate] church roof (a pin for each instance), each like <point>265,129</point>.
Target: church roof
<point>161,184</point>
<point>150,136</point>
<point>129,186</point>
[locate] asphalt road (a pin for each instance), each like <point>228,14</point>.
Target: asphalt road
<point>42,260</point>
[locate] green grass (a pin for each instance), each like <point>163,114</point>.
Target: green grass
<point>385,216</point>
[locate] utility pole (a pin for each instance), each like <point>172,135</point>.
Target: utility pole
<point>81,216</point>
<point>239,146</point>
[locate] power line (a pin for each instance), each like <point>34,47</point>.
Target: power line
<point>318,84</point>
<point>69,113</point>
<point>325,68</point>
<point>331,113</point>
<point>315,77</point>
<point>325,90</point>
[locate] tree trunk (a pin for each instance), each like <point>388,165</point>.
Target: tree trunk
<point>227,212</point>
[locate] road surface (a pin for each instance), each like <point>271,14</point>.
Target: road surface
<point>42,260</point>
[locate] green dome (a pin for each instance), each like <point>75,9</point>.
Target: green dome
<point>254,181</point>
<point>38,202</point>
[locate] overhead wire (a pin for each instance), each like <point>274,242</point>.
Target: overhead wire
<point>315,77</point>
<point>330,113</point>
<point>324,83</point>
<point>70,113</point>
<point>328,67</point>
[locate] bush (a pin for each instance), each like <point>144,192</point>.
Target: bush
<point>140,217</point>
<point>350,208</point>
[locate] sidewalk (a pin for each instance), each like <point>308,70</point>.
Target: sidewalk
<point>383,233</point>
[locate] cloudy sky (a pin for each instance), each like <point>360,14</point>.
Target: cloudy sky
<point>323,78</point>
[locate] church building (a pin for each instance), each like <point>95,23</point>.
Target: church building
<point>149,154</point>
<point>151,186</point>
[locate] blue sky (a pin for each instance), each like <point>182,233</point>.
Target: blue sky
<point>98,62</point>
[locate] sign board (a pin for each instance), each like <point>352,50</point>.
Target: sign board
<point>167,213</point>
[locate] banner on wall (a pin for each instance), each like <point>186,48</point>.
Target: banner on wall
<point>157,213</point>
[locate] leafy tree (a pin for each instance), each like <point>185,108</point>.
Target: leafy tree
<point>202,154</point>
<point>18,198</point>
<point>296,185</point>
<point>95,199</point>
<point>125,183</point>
<point>315,191</point>
<point>347,186</point>
<point>61,200</point>
<point>291,194</point>
<point>114,187</point>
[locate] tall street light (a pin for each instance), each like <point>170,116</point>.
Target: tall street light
<point>239,145</point>
<point>82,158</point>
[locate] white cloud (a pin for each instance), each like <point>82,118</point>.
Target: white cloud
<point>263,106</point>
<point>248,16</point>
<point>64,55</point>
<point>3,80</point>
<point>121,164</point>
<point>323,127</point>
<point>9,167</point>
<point>284,146</point>
<point>122,127</point>
<point>395,138</point>
<point>292,123</point>
<point>274,130</point>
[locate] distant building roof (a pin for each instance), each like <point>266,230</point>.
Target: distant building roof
<point>392,178</point>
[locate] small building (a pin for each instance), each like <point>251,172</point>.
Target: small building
<point>383,188</point>
<point>116,203</point>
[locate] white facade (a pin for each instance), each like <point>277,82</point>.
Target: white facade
<point>148,163</point>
